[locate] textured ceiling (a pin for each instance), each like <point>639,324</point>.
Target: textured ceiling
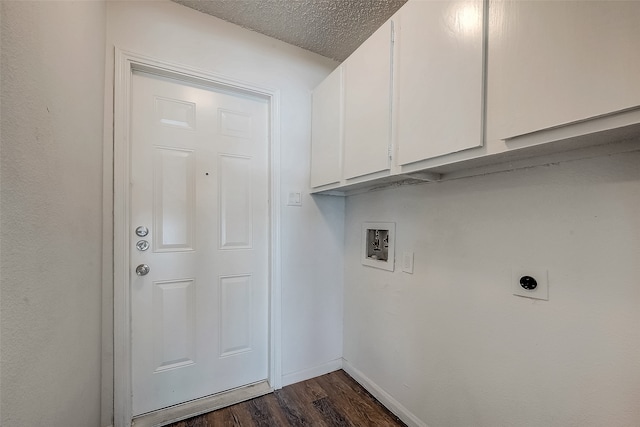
<point>331,28</point>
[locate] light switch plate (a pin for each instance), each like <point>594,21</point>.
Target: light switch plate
<point>294,199</point>
<point>407,262</point>
<point>541,276</point>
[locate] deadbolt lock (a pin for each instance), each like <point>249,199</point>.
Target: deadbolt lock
<point>142,231</point>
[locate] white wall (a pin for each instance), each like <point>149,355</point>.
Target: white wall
<point>312,235</point>
<point>452,345</point>
<point>51,212</point>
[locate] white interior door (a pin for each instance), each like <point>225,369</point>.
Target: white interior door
<point>199,184</point>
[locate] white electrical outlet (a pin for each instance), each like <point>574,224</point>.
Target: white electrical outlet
<point>530,282</point>
<point>407,262</point>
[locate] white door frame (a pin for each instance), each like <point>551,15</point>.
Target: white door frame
<point>125,64</point>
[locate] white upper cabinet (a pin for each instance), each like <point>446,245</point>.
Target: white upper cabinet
<point>326,131</point>
<point>553,63</point>
<point>367,106</point>
<point>454,85</point>
<point>439,78</point>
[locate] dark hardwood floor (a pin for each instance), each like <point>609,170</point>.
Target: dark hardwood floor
<point>331,400</point>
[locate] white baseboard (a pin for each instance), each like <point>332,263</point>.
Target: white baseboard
<point>307,374</point>
<point>385,398</point>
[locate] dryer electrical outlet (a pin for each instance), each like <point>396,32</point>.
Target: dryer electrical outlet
<point>530,282</point>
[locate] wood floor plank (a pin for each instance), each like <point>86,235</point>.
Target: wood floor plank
<point>242,415</point>
<point>357,406</point>
<point>332,400</point>
<point>221,418</point>
<point>195,422</point>
<point>293,404</point>
<point>354,409</point>
<point>308,391</point>
<point>192,422</point>
<point>353,387</point>
<point>331,414</point>
<point>276,412</point>
<point>266,413</point>
<point>382,416</point>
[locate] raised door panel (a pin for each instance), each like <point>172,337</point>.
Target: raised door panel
<point>439,78</point>
<point>556,63</point>
<point>326,131</point>
<point>174,324</point>
<point>235,315</point>
<point>235,212</point>
<point>367,102</point>
<point>174,199</point>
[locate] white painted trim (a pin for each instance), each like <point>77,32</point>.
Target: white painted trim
<point>385,398</point>
<point>275,329</point>
<point>121,300</point>
<point>307,374</point>
<point>125,63</point>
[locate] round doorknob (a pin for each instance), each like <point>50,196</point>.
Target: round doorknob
<point>142,270</point>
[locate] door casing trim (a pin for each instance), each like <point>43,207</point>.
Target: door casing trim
<point>125,63</point>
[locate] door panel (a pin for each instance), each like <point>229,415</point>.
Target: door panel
<point>235,310</point>
<point>326,130</point>
<point>553,63</point>
<point>174,199</point>
<point>235,202</point>
<point>439,78</point>
<point>367,105</point>
<point>199,182</point>
<point>174,324</point>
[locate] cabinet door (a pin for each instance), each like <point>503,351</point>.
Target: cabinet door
<point>439,78</point>
<point>552,63</point>
<point>367,105</point>
<point>326,131</point>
